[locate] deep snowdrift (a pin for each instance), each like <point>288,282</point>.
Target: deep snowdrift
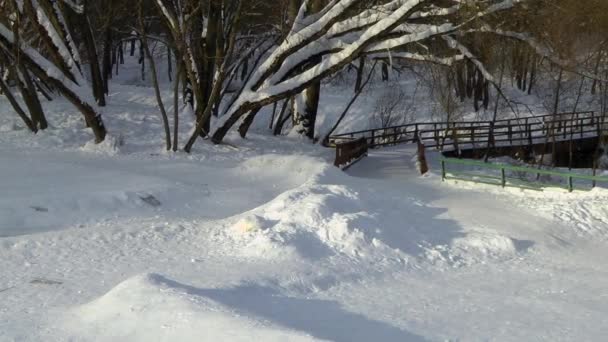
<point>322,218</point>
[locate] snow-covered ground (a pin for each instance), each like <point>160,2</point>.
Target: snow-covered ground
<point>264,239</point>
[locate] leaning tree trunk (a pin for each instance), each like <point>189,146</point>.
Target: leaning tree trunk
<point>305,118</point>
<point>16,106</point>
<point>99,89</point>
<point>30,97</point>
<point>107,58</point>
<point>159,99</point>
<point>211,57</point>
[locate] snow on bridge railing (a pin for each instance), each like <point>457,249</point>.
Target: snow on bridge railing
<point>517,176</point>
<point>449,134</point>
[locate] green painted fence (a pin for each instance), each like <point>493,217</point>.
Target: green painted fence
<point>503,179</point>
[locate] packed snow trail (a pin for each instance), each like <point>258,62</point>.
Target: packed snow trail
<point>551,211</point>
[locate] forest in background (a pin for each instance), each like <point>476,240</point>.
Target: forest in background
<point>229,59</point>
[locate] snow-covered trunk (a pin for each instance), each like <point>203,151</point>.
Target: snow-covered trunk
<point>178,77</point>
<point>305,116</point>
<point>210,57</point>
<point>49,37</point>
<point>152,67</point>
<point>58,67</point>
<point>6,91</point>
<point>30,97</point>
<point>107,58</point>
<point>341,33</point>
<point>83,22</point>
<point>360,70</point>
<point>244,127</point>
<point>221,75</point>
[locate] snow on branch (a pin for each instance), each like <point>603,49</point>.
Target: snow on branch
<point>78,8</point>
<point>418,57</point>
<point>454,44</point>
<point>539,48</point>
<point>338,35</point>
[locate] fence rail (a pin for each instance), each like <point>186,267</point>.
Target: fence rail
<point>521,131</point>
<point>504,179</point>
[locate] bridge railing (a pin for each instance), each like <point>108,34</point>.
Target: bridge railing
<point>450,134</point>
<point>349,152</point>
<point>517,176</point>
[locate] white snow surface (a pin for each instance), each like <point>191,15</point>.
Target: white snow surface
<point>264,240</point>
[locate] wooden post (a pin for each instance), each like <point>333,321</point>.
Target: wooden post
<point>473,136</point>
<point>423,165</point>
<point>455,140</point>
<point>443,173</point>
<point>491,141</point>
<point>503,178</point>
<point>581,127</point>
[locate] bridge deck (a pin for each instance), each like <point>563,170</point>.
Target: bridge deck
<point>473,134</point>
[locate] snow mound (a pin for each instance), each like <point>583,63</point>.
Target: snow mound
<point>295,169</point>
<point>152,307</point>
<point>473,248</point>
<point>110,146</point>
<point>318,221</point>
<point>311,221</point>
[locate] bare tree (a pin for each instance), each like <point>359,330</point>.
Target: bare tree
<point>340,33</point>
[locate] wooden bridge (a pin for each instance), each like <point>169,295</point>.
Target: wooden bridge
<point>532,132</point>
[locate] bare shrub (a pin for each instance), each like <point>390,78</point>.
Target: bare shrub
<point>393,107</point>
<point>447,106</point>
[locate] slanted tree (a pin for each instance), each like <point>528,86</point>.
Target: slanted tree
<point>340,33</point>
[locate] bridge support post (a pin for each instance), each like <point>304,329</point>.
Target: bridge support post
<point>423,166</point>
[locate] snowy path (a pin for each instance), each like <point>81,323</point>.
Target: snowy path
<point>555,289</point>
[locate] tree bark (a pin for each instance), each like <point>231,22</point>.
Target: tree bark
<point>244,128</point>
<point>176,107</point>
<point>305,118</point>
<point>107,58</point>
<point>11,99</point>
<point>30,97</point>
<point>359,80</point>
<point>159,99</point>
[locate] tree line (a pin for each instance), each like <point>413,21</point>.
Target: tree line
<point>228,59</point>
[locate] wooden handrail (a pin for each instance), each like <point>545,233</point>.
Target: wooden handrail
<point>435,134</point>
